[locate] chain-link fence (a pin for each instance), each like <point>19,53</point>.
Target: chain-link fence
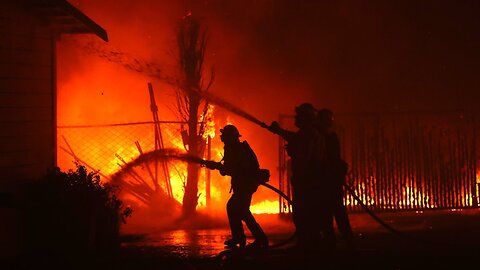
<point>108,148</point>
<point>396,161</point>
<point>103,146</point>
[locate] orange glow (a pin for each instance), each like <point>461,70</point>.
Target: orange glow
<point>412,194</point>
<point>108,149</point>
<point>209,123</point>
<point>477,189</point>
<point>265,207</point>
<point>94,89</point>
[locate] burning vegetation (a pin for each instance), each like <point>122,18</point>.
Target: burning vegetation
<point>395,162</point>
<point>164,187</point>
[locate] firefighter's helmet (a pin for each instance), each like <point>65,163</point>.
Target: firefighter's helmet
<point>306,109</point>
<point>230,131</point>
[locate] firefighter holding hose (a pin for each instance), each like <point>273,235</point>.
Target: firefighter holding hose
<point>312,214</point>
<point>241,163</point>
<point>333,171</point>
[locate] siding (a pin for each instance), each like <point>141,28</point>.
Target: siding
<point>27,112</point>
<point>27,97</point>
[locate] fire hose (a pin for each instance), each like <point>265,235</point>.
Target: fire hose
<point>364,207</point>
<point>240,112</point>
<point>390,228</point>
<point>213,165</point>
<point>352,193</point>
<point>263,174</point>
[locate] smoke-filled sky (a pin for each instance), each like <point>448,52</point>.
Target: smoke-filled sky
<point>271,55</point>
<point>347,55</point>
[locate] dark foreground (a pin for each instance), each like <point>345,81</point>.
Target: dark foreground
<point>426,240</point>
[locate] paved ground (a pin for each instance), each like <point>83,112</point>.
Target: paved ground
<point>425,240</point>
<point>422,240</point>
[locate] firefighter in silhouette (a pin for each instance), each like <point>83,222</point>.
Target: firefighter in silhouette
<point>333,172</point>
<point>311,213</point>
<point>240,162</point>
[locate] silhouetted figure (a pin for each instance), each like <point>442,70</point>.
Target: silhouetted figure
<point>312,214</point>
<point>334,170</point>
<point>240,162</point>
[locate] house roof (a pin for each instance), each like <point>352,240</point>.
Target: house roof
<point>65,18</point>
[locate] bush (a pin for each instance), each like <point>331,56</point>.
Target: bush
<point>73,211</point>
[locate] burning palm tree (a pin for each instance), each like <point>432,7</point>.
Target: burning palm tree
<point>192,43</point>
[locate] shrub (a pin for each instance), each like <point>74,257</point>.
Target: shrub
<point>73,211</point>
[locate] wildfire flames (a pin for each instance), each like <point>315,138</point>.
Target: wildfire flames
<point>101,87</point>
<point>120,152</point>
<point>104,83</point>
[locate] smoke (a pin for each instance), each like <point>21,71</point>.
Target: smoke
<point>142,48</point>
<point>271,55</point>
<point>129,62</point>
<point>246,68</point>
<point>346,56</point>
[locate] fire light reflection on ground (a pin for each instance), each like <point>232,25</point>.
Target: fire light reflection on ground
<point>188,243</point>
<point>451,228</point>
<point>209,242</point>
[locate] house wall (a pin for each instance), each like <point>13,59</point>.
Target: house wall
<point>27,112</point>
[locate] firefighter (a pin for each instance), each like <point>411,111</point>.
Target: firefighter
<point>240,162</point>
<point>334,170</point>
<point>311,215</point>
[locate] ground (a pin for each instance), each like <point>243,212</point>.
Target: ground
<point>431,239</point>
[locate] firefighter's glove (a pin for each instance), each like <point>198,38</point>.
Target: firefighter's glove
<point>212,165</point>
<point>274,127</point>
